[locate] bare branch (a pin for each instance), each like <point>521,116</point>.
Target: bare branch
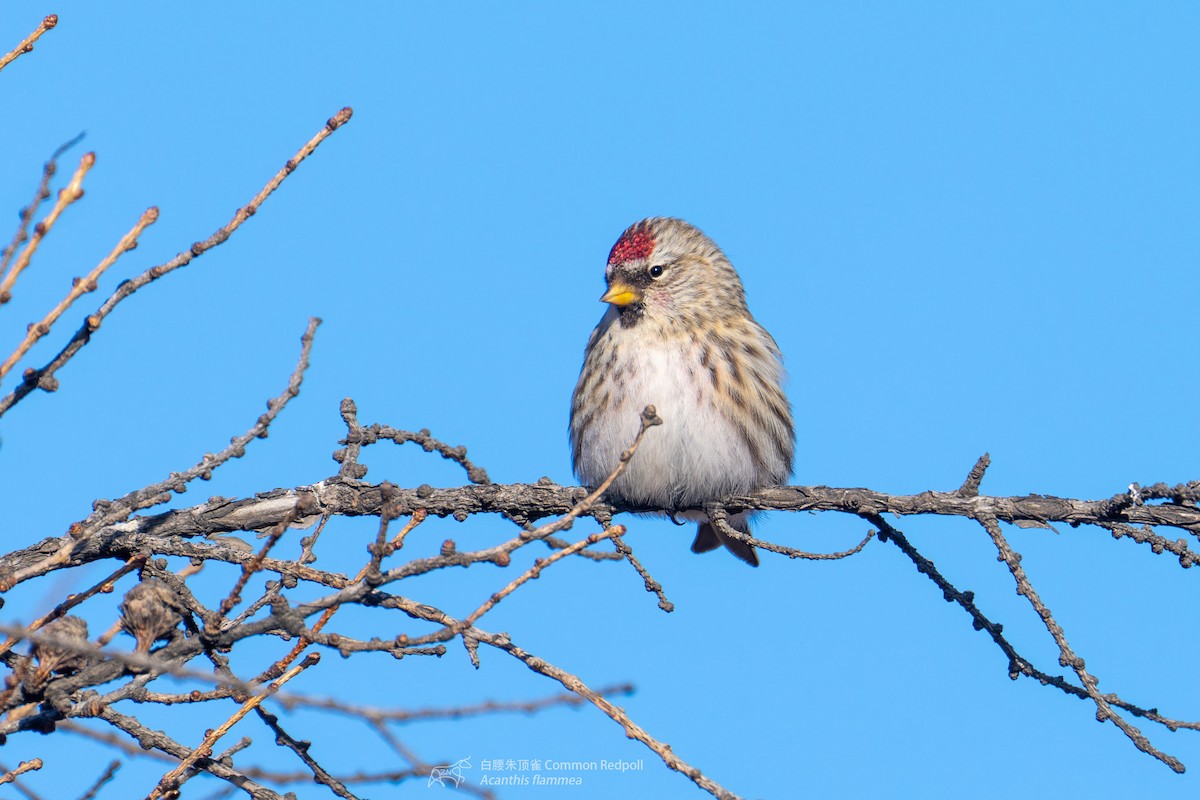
<point>108,513</point>
<point>107,776</point>
<point>651,585</point>
<point>79,287</point>
<point>66,197</point>
<point>44,379</point>
<point>717,515</point>
<point>106,584</point>
<point>22,768</point>
<point>43,191</point>
<point>167,532</point>
<point>1104,711</point>
<point>171,780</point>
<point>284,739</point>
<point>535,572</point>
<point>26,45</point>
<point>150,739</point>
<point>404,716</point>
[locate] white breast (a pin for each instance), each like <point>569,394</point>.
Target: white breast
<point>697,454</point>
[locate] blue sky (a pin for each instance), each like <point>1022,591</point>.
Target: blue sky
<point>970,228</point>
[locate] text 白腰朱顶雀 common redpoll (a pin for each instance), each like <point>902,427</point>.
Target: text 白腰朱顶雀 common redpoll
<point>677,335</point>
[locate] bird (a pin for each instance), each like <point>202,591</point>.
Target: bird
<point>677,334</point>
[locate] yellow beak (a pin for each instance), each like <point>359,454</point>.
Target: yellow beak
<point>621,294</point>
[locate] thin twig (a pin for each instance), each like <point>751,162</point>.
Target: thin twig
<point>22,768</point>
<point>716,515</point>
<point>285,739</point>
<point>1158,544</point>
<point>153,663</point>
<point>399,716</point>
<point>110,739</point>
<point>357,436</point>
<point>1067,657</point>
<point>26,45</point>
<point>104,585</point>
<point>108,775</point>
<point>1018,665</point>
<point>652,585</point>
<point>649,419</point>
<point>49,169</point>
<point>44,379</point>
<point>66,197</point>
<point>80,287</point>
<point>632,729</point>
<point>416,519</point>
<point>171,779</point>
<point>149,739</point>
<point>536,571</point>
<point>109,512</point>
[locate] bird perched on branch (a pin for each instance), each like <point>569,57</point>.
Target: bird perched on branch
<point>677,335</point>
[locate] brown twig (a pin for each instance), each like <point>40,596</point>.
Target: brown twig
<point>172,779</point>
<point>44,379</point>
<point>150,739</point>
<point>285,739</point>
<point>1067,657</point>
<point>536,571</point>
<point>618,715</point>
<point>108,775</point>
<point>66,197</point>
<point>716,515</point>
<point>153,663</point>
<point>109,512</point>
<point>104,585</point>
<point>310,636</point>
<point>22,768</point>
<point>652,585</point>
<point>307,544</point>
<point>634,731</point>
<point>125,746</point>
<point>49,169</point>
<point>649,419</point>
<point>26,45</point>
<point>358,436</point>
<point>1018,665</point>
<point>572,683</point>
<point>416,519</point>
<point>121,743</point>
<point>400,716</point>
<point>80,287</point>
<point>1158,544</point>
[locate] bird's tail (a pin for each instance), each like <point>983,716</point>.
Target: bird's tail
<point>708,537</point>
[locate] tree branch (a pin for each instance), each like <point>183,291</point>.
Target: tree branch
<point>26,45</point>
<point>44,379</point>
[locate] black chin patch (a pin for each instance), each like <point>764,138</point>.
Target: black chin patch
<point>631,314</point>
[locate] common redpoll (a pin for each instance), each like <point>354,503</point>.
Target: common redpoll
<point>677,335</point>
<point>150,612</point>
<point>58,656</point>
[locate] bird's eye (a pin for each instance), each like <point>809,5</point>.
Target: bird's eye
<point>656,271</point>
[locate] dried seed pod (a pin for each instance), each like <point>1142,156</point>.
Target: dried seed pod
<point>149,612</point>
<point>58,656</point>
